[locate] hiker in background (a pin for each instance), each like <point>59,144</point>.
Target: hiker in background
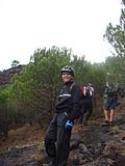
<point>57,139</point>
<point>86,102</point>
<point>110,102</point>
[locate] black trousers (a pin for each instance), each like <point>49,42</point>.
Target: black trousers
<point>57,140</point>
<point>86,111</point>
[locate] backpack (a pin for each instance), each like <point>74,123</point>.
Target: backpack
<point>86,91</point>
<point>111,92</point>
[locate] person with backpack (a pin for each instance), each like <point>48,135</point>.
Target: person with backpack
<point>110,101</point>
<point>57,138</point>
<point>86,102</point>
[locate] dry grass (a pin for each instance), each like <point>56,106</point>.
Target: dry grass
<point>21,136</point>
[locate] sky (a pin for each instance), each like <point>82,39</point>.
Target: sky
<point>26,25</point>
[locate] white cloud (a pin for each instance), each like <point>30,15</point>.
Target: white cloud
<point>78,24</point>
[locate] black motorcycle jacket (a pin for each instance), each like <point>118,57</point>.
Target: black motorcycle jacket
<point>69,100</point>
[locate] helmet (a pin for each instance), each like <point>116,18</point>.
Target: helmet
<point>68,69</point>
<point>109,84</point>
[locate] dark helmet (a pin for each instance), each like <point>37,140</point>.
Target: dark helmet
<point>68,69</point>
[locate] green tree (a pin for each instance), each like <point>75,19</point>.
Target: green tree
<point>34,90</point>
<point>115,67</point>
<point>116,35</point>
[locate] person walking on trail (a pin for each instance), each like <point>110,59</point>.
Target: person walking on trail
<point>110,102</point>
<point>57,139</point>
<point>87,100</point>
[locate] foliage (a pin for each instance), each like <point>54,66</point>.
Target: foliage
<point>32,93</point>
<point>116,35</point>
<point>115,69</point>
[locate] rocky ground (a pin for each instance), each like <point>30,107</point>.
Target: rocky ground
<point>99,146</point>
<point>92,145</point>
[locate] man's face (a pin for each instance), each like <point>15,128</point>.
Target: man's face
<point>66,77</point>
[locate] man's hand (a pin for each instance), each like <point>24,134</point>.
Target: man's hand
<point>68,124</point>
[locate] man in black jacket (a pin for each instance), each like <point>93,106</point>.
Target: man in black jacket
<point>57,139</point>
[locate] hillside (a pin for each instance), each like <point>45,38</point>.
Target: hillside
<point>6,75</point>
<point>92,145</point>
